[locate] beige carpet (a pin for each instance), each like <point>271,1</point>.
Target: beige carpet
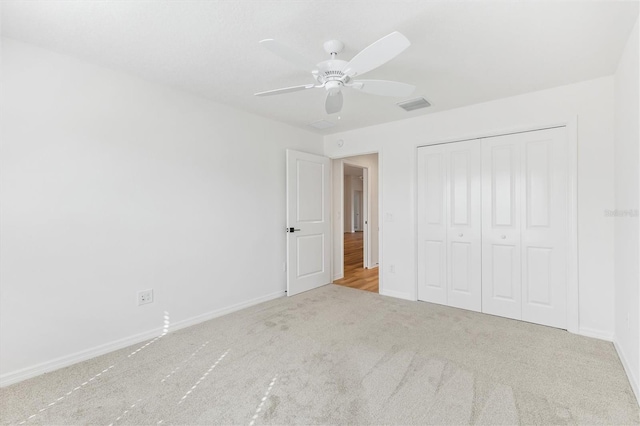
<point>339,356</point>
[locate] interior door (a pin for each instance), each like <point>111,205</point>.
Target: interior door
<point>501,279</point>
<point>545,192</point>
<point>432,224</point>
<point>308,221</point>
<point>464,230</point>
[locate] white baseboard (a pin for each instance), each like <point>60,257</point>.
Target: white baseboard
<point>338,277</point>
<point>397,294</point>
<point>596,334</point>
<point>635,384</point>
<point>67,360</point>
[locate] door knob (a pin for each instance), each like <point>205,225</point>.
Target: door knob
<point>460,235</point>
<point>292,230</point>
<point>504,237</point>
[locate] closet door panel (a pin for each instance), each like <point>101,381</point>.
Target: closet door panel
<point>545,227</point>
<point>464,226</point>
<point>501,280</point>
<point>432,229</point>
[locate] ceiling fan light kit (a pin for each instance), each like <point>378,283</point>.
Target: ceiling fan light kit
<point>335,74</point>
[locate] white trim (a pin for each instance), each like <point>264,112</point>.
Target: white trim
<point>633,381</point>
<point>503,132</point>
<point>397,294</point>
<point>366,203</point>
<point>337,225</point>
<point>596,334</point>
<point>573,287</point>
<point>380,230</point>
<point>66,360</point>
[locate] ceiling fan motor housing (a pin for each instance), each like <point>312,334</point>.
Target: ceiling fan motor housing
<point>331,76</point>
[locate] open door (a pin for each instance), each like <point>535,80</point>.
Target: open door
<point>308,222</point>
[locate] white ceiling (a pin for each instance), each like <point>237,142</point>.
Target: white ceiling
<point>462,52</point>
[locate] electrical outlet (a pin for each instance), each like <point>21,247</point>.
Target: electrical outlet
<point>284,266</point>
<point>145,296</point>
<point>392,269</point>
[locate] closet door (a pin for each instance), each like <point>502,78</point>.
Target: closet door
<point>525,226</point>
<point>544,226</point>
<point>432,227</point>
<point>449,229</point>
<point>501,239</point>
<point>464,283</point>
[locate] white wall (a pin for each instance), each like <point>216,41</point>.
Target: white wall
<point>111,185</point>
<point>371,162</point>
<point>627,231</point>
<point>396,142</point>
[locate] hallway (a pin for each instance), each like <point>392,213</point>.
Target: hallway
<point>355,276</point>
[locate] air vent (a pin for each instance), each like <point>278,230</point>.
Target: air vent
<point>322,124</point>
<point>413,104</point>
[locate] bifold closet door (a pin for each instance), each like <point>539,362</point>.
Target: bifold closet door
<point>432,226</point>
<point>545,227</point>
<point>449,228</point>
<point>501,282</point>
<point>525,226</point>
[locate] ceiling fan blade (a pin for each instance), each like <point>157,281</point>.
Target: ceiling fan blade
<point>333,103</point>
<point>289,54</point>
<point>384,87</point>
<point>378,53</point>
<point>285,90</point>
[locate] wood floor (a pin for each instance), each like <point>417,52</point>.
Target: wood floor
<point>355,276</point>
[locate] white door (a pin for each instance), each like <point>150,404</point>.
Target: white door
<point>449,228</point>
<point>525,226</point>
<point>432,224</point>
<point>545,231</point>
<point>501,282</point>
<point>308,222</point>
<point>464,230</point>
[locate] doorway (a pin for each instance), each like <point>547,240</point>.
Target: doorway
<point>356,227</point>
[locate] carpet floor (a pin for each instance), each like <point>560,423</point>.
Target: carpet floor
<point>336,355</point>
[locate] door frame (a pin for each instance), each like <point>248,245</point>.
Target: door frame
<point>338,222</point>
<point>571,127</point>
<point>366,208</point>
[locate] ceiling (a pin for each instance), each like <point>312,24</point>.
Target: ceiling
<point>462,52</point>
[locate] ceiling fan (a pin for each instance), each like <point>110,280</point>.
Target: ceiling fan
<point>334,74</point>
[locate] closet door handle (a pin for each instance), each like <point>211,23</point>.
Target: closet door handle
<point>460,235</point>
<point>504,237</point>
